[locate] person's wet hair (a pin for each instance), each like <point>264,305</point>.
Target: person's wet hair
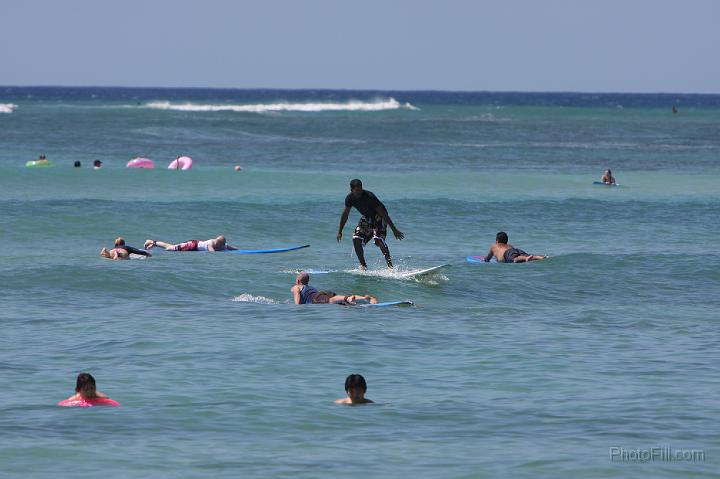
<point>77,164</point>
<point>119,241</point>
<point>355,381</point>
<point>355,184</point>
<point>85,385</point>
<point>304,278</point>
<point>501,237</point>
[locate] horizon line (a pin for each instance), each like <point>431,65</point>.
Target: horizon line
<point>412,90</point>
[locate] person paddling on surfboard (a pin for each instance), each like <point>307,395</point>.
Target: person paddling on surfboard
<point>213,244</point>
<point>372,225</point>
<point>608,178</point>
<point>303,293</point>
<point>507,253</point>
<point>122,251</point>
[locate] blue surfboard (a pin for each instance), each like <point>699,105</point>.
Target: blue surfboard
<point>265,251</point>
<point>480,260</point>
<point>604,184</point>
<point>388,303</point>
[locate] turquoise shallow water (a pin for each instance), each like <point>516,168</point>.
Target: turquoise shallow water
<point>533,370</point>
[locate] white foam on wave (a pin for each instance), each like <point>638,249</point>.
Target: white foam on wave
<point>376,105</point>
<point>401,274</point>
<point>249,298</point>
<point>7,107</point>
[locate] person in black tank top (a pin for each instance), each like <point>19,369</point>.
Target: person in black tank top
<point>372,225</point>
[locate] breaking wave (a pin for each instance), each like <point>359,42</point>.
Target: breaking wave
<point>377,105</point>
<point>7,107</point>
<point>249,298</point>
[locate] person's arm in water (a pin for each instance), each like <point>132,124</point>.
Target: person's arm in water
<point>343,220</point>
<point>490,254</point>
<point>382,211</point>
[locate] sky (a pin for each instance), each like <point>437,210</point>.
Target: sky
<point>481,45</point>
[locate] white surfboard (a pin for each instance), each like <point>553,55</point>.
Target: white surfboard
<point>423,272</point>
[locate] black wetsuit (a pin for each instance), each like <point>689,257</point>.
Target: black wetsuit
<point>132,250</point>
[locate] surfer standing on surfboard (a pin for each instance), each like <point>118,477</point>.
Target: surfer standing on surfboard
<point>372,225</point>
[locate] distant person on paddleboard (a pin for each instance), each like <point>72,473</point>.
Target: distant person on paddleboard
<point>372,225</point>
<point>355,388</point>
<point>213,244</point>
<point>122,251</point>
<point>507,253</point>
<point>303,293</point>
<point>608,178</point>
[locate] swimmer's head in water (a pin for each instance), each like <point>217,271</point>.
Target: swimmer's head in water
<point>303,278</point>
<point>356,187</point>
<point>355,382</point>
<point>501,237</point>
<point>85,385</point>
<point>220,241</point>
<point>119,241</point>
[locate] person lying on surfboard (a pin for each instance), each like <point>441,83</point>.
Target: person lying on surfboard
<point>122,251</point>
<point>507,253</point>
<point>355,388</point>
<point>213,244</point>
<point>608,178</point>
<point>372,224</point>
<point>303,293</point>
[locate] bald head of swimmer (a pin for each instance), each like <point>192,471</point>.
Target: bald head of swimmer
<point>85,385</point>
<point>119,241</point>
<point>303,279</point>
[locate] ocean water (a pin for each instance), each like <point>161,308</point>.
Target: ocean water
<point>532,370</point>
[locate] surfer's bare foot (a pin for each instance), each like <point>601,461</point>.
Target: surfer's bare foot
<point>104,253</point>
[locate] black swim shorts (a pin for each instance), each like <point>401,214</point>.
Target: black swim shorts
<point>510,255</point>
<point>369,229</point>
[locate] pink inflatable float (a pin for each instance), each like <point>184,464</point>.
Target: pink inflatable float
<point>181,163</point>
<point>140,163</point>
<point>88,402</point>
